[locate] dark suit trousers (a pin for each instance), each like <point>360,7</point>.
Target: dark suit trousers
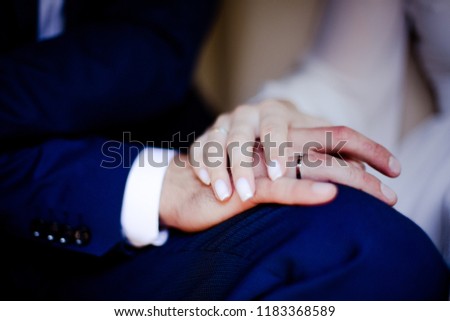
<point>354,248</point>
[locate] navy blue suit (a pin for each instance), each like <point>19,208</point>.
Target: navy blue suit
<point>126,65</point>
<point>119,66</point>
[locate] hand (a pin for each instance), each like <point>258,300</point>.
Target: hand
<point>348,168</point>
<point>338,154</point>
<point>270,118</point>
<point>188,205</point>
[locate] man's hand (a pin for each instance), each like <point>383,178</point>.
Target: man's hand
<point>188,205</point>
<point>338,154</point>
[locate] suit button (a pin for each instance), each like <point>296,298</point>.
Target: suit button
<point>66,235</point>
<point>53,232</point>
<point>38,226</point>
<point>82,236</point>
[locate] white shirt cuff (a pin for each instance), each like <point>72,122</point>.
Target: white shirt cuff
<point>140,207</point>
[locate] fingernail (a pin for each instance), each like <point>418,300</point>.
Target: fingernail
<point>323,189</point>
<point>244,190</point>
<point>389,193</point>
<point>204,176</point>
<point>394,165</point>
<point>221,189</point>
<point>274,170</point>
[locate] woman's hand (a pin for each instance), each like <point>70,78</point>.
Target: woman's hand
<point>276,123</point>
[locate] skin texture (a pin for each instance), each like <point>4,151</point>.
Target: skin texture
<point>189,205</point>
<point>284,123</point>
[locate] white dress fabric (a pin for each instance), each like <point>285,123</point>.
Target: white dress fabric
<point>354,75</point>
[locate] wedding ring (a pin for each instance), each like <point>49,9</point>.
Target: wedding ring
<point>220,130</point>
<point>298,166</point>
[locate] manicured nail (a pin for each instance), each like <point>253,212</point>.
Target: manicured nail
<point>394,165</point>
<point>221,189</point>
<point>390,194</point>
<point>274,170</point>
<point>244,190</point>
<point>204,176</point>
<point>324,189</point>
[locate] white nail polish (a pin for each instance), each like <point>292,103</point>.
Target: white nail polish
<point>389,193</point>
<point>394,165</point>
<point>221,189</point>
<point>274,170</point>
<point>204,176</point>
<point>244,190</point>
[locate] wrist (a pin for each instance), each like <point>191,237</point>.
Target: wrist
<point>169,193</point>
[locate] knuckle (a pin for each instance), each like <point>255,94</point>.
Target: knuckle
<point>316,158</point>
<point>368,147</point>
<point>237,135</point>
<point>343,132</point>
<point>271,125</point>
<point>268,128</point>
<point>223,118</point>
<point>241,109</point>
<point>374,150</point>
<point>367,179</point>
<point>354,177</point>
<point>369,183</point>
<point>271,103</point>
<point>379,150</point>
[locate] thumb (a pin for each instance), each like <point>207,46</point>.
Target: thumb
<point>292,191</point>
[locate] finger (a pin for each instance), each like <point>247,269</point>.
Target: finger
<point>341,142</point>
<point>196,159</point>
<point>274,125</point>
<point>355,163</point>
<point>293,191</point>
<point>215,157</point>
<point>240,143</point>
<point>307,121</point>
<point>323,167</point>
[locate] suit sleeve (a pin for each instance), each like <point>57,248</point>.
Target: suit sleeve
<point>129,61</point>
<point>67,193</point>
